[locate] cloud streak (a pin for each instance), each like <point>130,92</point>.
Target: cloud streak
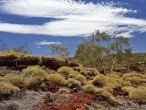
<point>42,43</point>
<point>75,18</point>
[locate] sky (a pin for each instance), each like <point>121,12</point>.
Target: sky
<point>41,23</point>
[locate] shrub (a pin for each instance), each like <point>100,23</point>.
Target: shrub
<point>114,82</point>
<point>89,88</point>
<point>34,81</point>
<point>15,79</point>
<point>65,70</point>
<point>138,94</point>
<point>127,83</point>
<point>102,80</point>
<point>56,78</point>
<point>64,90</point>
<point>68,72</point>
<point>33,71</point>
<point>89,72</point>
<point>110,98</point>
<point>114,75</point>
<point>7,88</point>
<point>73,83</point>
<point>99,80</point>
<point>127,75</point>
<point>128,89</point>
<point>135,79</point>
<point>80,78</point>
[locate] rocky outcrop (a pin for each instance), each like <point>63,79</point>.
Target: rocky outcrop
<point>20,63</point>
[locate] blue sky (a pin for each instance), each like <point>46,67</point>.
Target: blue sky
<point>68,22</point>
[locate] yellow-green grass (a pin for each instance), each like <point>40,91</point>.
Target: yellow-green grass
<point>68,72</point>
<point>138,94</point>
<point>9,53</point>
<point>57,78</point>
<point>15,79</point>
<point>73,83</point>
<point>101,91</point>
<point>35,71</point>
<point>64,90</point>
<point>107,81</point>
<point>7,88</point>
<point>133,74</point>
<point>89,88</point>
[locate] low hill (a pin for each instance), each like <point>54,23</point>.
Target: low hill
<point>30,82</point>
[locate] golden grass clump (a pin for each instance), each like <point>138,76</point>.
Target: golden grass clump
<point>89,71</point>
<point>7,88</point>
<point>73,83</point>
<point>128,89</point>
<point>138,94</point>
<point>15,79</point>
<point>127,83</point>
<point>64,90</point>
<point>33,81</point>
<point>89,88</point>
<point>33,71</point>
<point>114,75</point>
<point>11,52</point>
<point>107,81</point>
<point>114,82</point>
<point>57,78</point>
<point>127,75</point>
<point>80,78</point>
<point>101,91</point>
<point>65,70</point>
<point>99,80</point>
<point>68,72</point>
<point>135,79</point>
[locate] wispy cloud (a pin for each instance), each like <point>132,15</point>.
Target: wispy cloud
<point>46,43</point>
<point>76,18</point>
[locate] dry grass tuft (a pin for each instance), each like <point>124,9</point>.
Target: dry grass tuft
<point>7,88</point>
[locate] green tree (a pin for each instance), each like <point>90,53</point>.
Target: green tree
<point>87,53</point>
<point>96,53</point>
<point>59,51</point>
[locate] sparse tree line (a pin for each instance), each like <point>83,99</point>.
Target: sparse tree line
<point>103,51</point>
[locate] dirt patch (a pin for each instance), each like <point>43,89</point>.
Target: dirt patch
<point>50,86</point>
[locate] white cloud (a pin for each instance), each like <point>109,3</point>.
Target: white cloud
<point>77,18</point>
<point>46,43</point>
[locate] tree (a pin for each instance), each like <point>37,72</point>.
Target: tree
<point>22,47</point>
<point>59,50</point>
<point>3,46</point>
<point>96,53</point>
<point>87,53</point>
